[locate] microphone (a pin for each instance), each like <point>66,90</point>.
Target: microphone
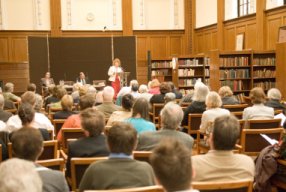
<point>104,28</point>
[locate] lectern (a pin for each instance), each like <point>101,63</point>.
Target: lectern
<point>124,78</point>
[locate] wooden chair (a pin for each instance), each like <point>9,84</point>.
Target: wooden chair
<point>274,181</point>
<point>13,111</point>
<point>78,167</point>
<point>50,150</point>
<point>237,114</point>
<point>154,115</point>
<point>194,122</point>
<point>142,155</point>
<point>155,188</point>
<point>55,164</point>
<point>251,142</point>
<point>52,111</point>
<point>58,123</point>
<point>51,134</point>
<point>70,133</point>
<point>234,186</point>
<point>186,104</point>
<point>237,107</point>
<point>263,124</point>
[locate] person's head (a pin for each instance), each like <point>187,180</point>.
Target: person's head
<point>52,90</point>
<point>39,103</point>
<point>108,94</point>
<point>170,97</point>
<point>17,175</point>
<point>213,100</point>
<point>171,162</point>
<point>32,87</point>
<point>141,107</point>
<point>121,138</point>
<point>27,143</point>
<point>134,88</point>
<point>29,97</point>
<point>9,87</point>
<point>2,101</point>
<point>225,91</point>
<point>200,92</point>
<point>116,62</point>
<point>127,102</point>
<point>81,75</point>
<point>172,86</point>
<point>26,114</point>
<point>154,83</point>
<point>48,75</point>
<point>92,122</point>
<point>86,101</point>
<point>257,95</point>
<point>143,88</point>
<point>171,116</point>
<point>274,94</point>
<point>133,82</point>
<point>67,103</point>
<point>82,90</point>
<point>61,91</point>
<point>165,88</point>
<point>226,131</point>
<point>91,90</point>
<point>99,97</point>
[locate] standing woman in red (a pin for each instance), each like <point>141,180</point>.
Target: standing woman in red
<point>114,77</point>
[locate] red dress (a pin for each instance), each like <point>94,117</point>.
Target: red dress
<point>116,86</point>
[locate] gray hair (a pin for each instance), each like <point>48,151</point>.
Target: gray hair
<point>170,97</point>
<point>108,93</point>
<point>200,92</point>
<point>171,116</point>
<point>133,82</point>
<point>9,87</point>
<point>213,100</point>
<point>91,90</point>
<point>39,103</point>
<point>274,94</point>
<point>17,175</point>
<point>143,88</point>
<point>2,101</point>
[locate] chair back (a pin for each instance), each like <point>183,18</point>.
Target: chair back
<point>54,164</point>
<point>70,133</point>
<point>154,114</point>
<point>194,122</point>
<point>13,111</point>
<point>155,188</point>
<point>51,134</point>
<point>237,114</point>
<point>58,123</point>
<point>142,155</point>
<point>237,107</point>
<point>78,167</point>
<point>235,186</point>
<point>263,124</point>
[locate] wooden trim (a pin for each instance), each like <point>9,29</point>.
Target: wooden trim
<point>261,24</point>
<point>53,162</point>
<point>242,18</point>
<point>127,23</point>
<point>223,185</point>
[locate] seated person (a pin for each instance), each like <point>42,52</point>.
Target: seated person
<point>174,90</point>
<point>82,79</point>
<point>213,104</point>
<point>134,91</point>
<point>220,163</point>
<point>93,144</point>
<point>226,95</point>
<point>47,80</point>
<point>8,93</point>
<point>171,162</point>
<point>170,97</point>
<point>143,90</point>
<point>60,92</point>
<point>52,97</point>
<point>4,115</point>
<point>258,110</point>
<point>108,107</point>
<point>27,144</point>
<point>67,106</point>
<point>159,98</point>
<point>274,100</point>
<point>154,87</point>
<point>171,117</point>
<point>125,113</point>
<point>120,170</point>
<point>140,116</point>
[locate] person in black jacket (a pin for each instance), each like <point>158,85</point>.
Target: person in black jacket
<point>159,98</point>
<point>67,105</point>
<point>274,98</point>
<point>178,94</point>
<point>198,102</point>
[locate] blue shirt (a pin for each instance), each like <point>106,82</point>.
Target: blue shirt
<point>141,125</point>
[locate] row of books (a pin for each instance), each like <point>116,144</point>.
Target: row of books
<point>189,62</point>
<point>207,72</point>
<point>234,73</point>
<point>234,61</point>
<point>186,91</point>
<point>240,97</point>
<point>161,64</point>
<point>265,73</point>
<point>188,82</point>
<point>264,61</point>
<point>160,72</point>
<point>186,72</point>
<point>236,85</point>
<point>265,85</point>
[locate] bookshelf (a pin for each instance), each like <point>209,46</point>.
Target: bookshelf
<point>191,69</point>
<point>161,69</point>
<point>280,68</point>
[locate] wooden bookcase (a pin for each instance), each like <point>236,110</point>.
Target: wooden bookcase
<point>281,68</point>
<point>161,69</point>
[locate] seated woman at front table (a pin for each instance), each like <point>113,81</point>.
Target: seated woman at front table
<point>258,110</point>
<point>140,116</point>
<point>226,95</point>
<point>114,78</point>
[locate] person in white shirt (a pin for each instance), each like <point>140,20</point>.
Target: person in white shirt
<point>2,125</point>
<point>143,89</point>
<point>113,73</point>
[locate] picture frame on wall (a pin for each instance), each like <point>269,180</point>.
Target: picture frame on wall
<point>239,42</point>
<point>282,34</point>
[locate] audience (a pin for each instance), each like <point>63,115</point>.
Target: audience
<point>4,115</point>
<point>170,97</point>
<point>17,175</point>
<point>99,98</point>
<point>226,95</point>
<point>8,93</point>
<point>125,113</point>
<point>258,110</point>
<point>143,90</point>
<point>274,100</point>
<point>39,103</point>
<point>198,104</point>
<point>171,117</point>
<point>125,90</point>
<point>171,162</point>
<point>93,144</point>
<point>52,98</point>
<point>108,107</point>
<point>61,91</point>
<point>140,116</point>
<point>175,91</point>
<point>27,144</point>
<point>134,91</point>
<point>159,98</point>
<point>213,104</point>
<point>220,163</point>
<point>67,106</point>
<point>154,87</point>
<point>120,170</point>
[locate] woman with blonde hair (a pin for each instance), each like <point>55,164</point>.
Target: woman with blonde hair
<point>114,77</point>
<point>154,87</point>
<point>226,95</point>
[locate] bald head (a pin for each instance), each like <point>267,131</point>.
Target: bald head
<point>171,116</point>
<point>107,94</point>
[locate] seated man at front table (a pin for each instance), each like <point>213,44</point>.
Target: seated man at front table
<point>220,163</point>
<point>171,117</point>
<point>82,79</point>
<point>120,170</point>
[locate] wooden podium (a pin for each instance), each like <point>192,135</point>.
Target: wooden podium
<point>124,78</point>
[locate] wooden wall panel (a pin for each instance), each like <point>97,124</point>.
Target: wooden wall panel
<point>19,51</point>
<point>158,46</point>
<point>205,39</point>
<point>176,45</point>
<point>229,41</point>
<point>142,46</point>
<point>4,53</point>
<point>251,40</point>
